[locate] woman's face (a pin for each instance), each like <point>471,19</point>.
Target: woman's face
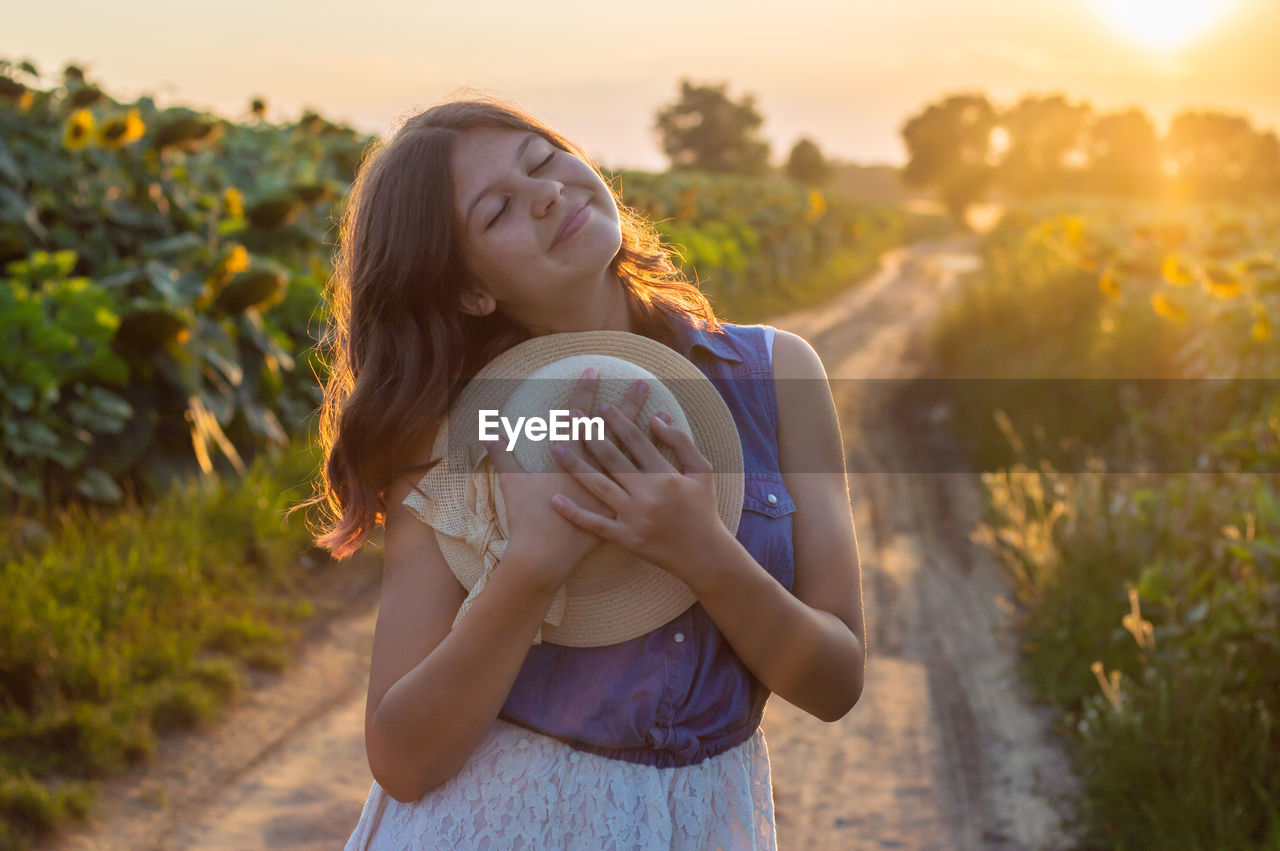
<point>515,193</point>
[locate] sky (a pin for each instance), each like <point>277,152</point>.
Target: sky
<point>846,75</point>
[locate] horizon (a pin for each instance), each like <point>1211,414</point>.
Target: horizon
<point>808,84</point>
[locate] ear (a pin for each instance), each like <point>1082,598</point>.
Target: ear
<point>478,303</point>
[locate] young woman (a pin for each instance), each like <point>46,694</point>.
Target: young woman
<point>474,228</point>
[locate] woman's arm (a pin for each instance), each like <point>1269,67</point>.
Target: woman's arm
<point>807,646</point>
<point>433,693</point>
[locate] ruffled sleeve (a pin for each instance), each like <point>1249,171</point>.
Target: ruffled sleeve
<point>474,525</point>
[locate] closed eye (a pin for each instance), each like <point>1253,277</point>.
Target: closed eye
<point>536,169</point>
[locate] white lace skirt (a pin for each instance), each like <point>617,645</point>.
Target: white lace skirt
<point>523,790</point>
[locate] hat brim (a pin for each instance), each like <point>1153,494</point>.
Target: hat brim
<point>611,596</point>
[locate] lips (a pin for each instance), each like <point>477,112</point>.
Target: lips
<point>571,223</point>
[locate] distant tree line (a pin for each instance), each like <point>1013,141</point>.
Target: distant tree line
<point>964,147</point>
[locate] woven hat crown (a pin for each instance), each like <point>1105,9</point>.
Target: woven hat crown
<point>611,595</point>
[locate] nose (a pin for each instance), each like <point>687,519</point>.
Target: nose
<point>546,195</point>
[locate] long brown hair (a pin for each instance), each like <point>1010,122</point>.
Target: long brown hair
<point>397,340</point>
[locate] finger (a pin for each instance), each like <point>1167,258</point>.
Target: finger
<point>504,461</point>
<point>691,460</point>
<point>631,402</point>
<point>628,407</point>
<point>595,482</point>
<point>646,455</point>
<point>585,391</point>
<point>610,456</point>
<point>588,434</point>
<point>577,515</point>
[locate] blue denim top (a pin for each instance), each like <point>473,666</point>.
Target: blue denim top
<point>678,694</point>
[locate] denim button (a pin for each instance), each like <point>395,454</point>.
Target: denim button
<point>679,636</point>
<point>773,499</point>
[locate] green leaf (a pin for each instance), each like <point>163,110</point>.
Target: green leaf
<point>98,486</point>
<point>64,261</point>
<point>109,403</point>
<point>1197,612</point>
<point>38,434</point>
<point>94,419</point>
<point>265,424</point>
<point>172,245</point>
<point>110,367</point>
<point>66,456</point>
<point>43,266</point>
<point>178,290</point>
<point>9,170</point>
<point>123,280</point>
<point>28,485</point>
<point>13,207</point>
<point>127,215</point>
<point>22,396</point>
<point>229,369</point>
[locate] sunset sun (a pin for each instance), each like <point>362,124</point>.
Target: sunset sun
<point>1161,24</point>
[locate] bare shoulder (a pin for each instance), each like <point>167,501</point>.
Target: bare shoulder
<point>793,357</point>
<point>808,434</point>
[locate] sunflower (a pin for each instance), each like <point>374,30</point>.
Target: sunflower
<point>1108,284</point>
<point>817,205</point>
<point>232,263</point>
<point>1168,308</point>
<point>82,96</point>
<point>238,260</point>
<point>78,130</point>
<point>1175,271</point>
<point>121,130</point>
<point>1261,324</point>
<point>1223,289</point>
<point>234,200</point>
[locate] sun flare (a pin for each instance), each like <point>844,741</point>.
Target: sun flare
<point>1162,24</point>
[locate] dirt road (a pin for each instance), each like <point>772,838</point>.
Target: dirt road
<point>942,751</point>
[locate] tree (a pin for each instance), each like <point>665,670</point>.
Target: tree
<point>705,130</point>
<point>1124,154</point>
<point>807,165</point>
<point>949,145</point>
<point>1218,155</point>
<point>1264,164</point>
<point>1045,135</point>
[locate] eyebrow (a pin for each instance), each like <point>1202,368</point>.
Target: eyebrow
<point>466,222</point>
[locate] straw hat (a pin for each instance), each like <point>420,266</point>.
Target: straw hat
<point>612,595</point>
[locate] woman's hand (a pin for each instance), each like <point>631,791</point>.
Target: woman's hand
<point>662,515</point>
<point>553,543</point>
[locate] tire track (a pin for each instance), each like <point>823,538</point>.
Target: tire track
<point>944,749</point>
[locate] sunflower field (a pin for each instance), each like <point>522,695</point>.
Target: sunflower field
<point>758,248</point>
<point>162,273</point>
<point>1148,589</point>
